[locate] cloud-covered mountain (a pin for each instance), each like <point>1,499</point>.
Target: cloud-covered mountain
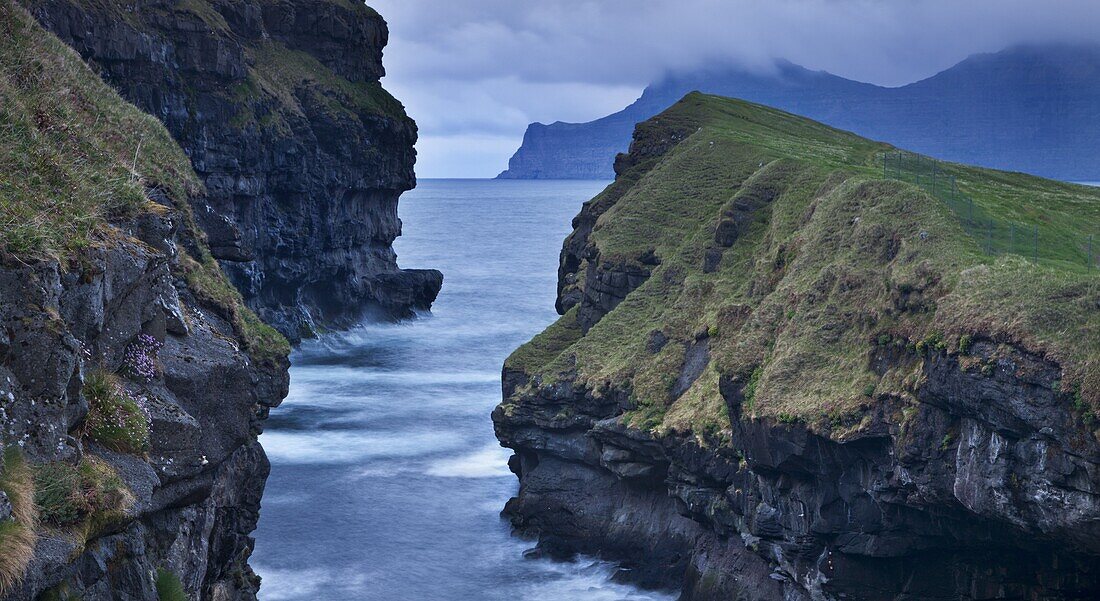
<point>1031,108</point>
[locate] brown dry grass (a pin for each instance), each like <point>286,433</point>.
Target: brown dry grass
<point>17,537</point>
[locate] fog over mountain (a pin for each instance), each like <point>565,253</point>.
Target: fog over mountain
<point>474,74</point>
<point>1030,108</point>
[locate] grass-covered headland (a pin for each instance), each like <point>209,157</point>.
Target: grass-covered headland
<point>778,243</point>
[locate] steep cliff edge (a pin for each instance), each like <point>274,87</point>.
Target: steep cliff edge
<point>133,379</point>
<point>302,152</point>
<point>779,376</point>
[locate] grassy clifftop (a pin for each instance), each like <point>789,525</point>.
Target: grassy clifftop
<point>77,163</point>
<point>780,263</point>
<point>73,155</point>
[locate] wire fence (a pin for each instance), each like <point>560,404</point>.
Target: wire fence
<point>994,236</point>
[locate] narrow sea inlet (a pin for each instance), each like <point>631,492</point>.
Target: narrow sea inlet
<point>386,479</point>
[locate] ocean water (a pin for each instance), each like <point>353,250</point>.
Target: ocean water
<point>386,479</point>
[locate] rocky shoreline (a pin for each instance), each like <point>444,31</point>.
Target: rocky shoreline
<point>194,492</point>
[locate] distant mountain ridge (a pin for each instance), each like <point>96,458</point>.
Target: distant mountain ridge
<point>1033,108</point>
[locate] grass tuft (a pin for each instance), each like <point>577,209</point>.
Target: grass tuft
<point>57,494</point>
<point>85,500</point>
<point>87,496</point>
<point>169,587</point>
<point>115,419</point>
<point>17,536</point>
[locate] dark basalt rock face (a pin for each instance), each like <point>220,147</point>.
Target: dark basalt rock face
<point>195,493</point>
<point>304,155</point>
<point>989,490</point>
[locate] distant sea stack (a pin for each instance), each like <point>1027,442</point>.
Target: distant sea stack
<point>1033,109</point>
<point>302,152</point>
<point>778,375</point>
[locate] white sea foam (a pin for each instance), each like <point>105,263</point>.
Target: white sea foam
<point>348,447</point>
<point>490,462</point>
<point>440,330</point>
<point>589,580</point>
<point>374,403</point>
<point>378,471</point>
<point>315,583</point>
<point>325,375</point>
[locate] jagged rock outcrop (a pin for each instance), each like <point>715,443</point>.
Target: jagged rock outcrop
<point>806,397</point>
<point>195,494</point>
<point>605,286</point>
<point>986,491</point>
<point>303,154</point>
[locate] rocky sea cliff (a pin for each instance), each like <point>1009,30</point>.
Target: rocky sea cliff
<point>302,151</point>
<point>136,374</point>
<point>778,377</point>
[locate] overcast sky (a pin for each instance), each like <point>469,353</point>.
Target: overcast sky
<point>474,73</point>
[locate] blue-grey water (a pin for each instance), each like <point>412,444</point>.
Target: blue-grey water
<point>386,479</point>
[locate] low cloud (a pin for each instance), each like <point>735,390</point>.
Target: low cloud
<point>482,69</point>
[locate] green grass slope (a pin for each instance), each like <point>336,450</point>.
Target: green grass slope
<point>77,161</point>
<point>73,155</point>
<point>838,263</point>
